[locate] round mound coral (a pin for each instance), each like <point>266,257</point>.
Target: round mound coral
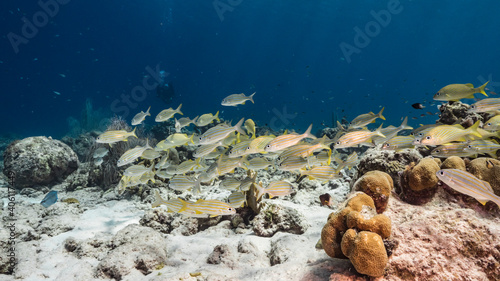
<point>366,251</point>
<point>418,182</point>
<point>378,185</point>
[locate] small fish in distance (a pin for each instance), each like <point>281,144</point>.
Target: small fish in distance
<point>418,106</point>
<point>49,199</point>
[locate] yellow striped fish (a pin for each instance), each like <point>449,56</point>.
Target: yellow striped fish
<point>456,92</point>
<point>293,163</point>
<point>137,170</point>
<point>236,99</point>
<point>132,154</point>
<point>365,119</point>
<point>448,133</point>
<point>139,117</point>
<point>227,165</point>
<point>258,144</point>
<point>350,162</point>
<point>111,137</point>
<point>250,127</point>
<point>220,132</point>
<point>239,149</point>
<point>279,188</point>
<point>320,159</point>
<point>363,137</point>
<point>173,205</point>
<point>181,183</point>
<point>258,163</point>
<point>493,124</point>
<point>184,122</point>
<point>486,105</point>
<point>399,143</point>
<point>209,207</point>
<point>322,173</point>
<point>206,149</point>
<point>284,141</point>
<point>452,149</point>
<point>466,183</point>
<point>166,114</point>
<point>150,154</point>
<point>206,119</point>
<point>389,133</point>
<point>230,183</point>
<point>482,147</point>
<point>237,199</point>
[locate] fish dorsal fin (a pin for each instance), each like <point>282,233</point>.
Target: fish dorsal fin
<point>458,126</point>
<point>469,85</point>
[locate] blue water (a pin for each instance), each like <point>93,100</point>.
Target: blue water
<point>288,51</point>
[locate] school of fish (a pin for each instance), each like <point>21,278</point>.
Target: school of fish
<point>222,148</point>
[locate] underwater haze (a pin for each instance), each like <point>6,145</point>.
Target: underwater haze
<point>307,61</point>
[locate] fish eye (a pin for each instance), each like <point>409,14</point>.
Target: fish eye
<point>386,145</point>
<point>438,93</point>
<point>248,148</point>
<point>337,143</point>
<point>428,137</point>
<point>268,146</point>
<point>472,106</point>
<point>437,151</point>
<point>469,146</point>
<point>488,124</point>
<point>441,173</point>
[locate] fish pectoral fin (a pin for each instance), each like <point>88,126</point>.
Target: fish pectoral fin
<point>482,201</point>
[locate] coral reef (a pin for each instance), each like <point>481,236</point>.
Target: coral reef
<point>366,220</point>
<point>378,185</point>
<point>81,144</point>
<point>39,161</point>
<point>274,217</point>
<point>442,241</point>
<point>388,161</point>
<point>336,226</point>
<point>487,169</point>
<point>366,252</point>
<point>453,162</point>
<point>457,112</point>
<point>419,182</point>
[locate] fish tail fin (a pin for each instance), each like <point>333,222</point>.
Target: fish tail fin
<point>217,116</point>
<point>308,134</point>
<point>132,134</point>
<point>339,125</point>
<point>147,146</point>
<point>158,200</point>
<point>481,88</point>
<point>404,125</point>
<point>380,114</point>
<point>378,131</point>
<point>147,112</point>
<point>179,109</point>
<point>473,129</point>
<point>184,205</point>
<point>250,98</point>
<point>194,119</point>
<point>239,128</point>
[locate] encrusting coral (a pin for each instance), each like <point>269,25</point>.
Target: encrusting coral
<point>419,182</point>
<point>366,251</point>
<point>453,162</point>
<point>378,185</point>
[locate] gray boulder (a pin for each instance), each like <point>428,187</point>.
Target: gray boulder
<point>38,161</point>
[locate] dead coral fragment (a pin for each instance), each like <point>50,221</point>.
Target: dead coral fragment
<point>366,252</point>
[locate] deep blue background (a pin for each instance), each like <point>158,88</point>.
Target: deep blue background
<point>285,50</point>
